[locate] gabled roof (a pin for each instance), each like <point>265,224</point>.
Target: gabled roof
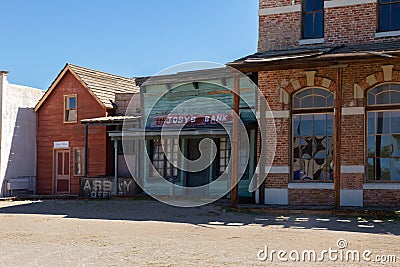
<point>102,86</point>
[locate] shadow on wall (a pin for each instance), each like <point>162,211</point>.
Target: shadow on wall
<point>22,157</point>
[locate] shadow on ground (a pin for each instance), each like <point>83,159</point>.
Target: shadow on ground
<point>208,216</point>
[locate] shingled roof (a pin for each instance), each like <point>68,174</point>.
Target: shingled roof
<point>103,86</point>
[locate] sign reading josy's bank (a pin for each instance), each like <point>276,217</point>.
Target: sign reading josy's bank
<point>176,120</point>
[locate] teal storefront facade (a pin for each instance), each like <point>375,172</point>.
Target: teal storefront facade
<point>184,116</point>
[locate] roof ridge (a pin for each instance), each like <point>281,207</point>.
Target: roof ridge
<point>103,72</point>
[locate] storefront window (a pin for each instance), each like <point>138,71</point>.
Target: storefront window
<point>384,133</point>
<point>312,147</point>
<point>160,162</point>
<point>224,155</point>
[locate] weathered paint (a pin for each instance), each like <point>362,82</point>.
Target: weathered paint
<point>104,187</point>
<point>18,132</point>
<point>51,128</point>
<point>158,101</point>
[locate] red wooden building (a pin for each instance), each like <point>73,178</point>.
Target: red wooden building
<point>66,148</point>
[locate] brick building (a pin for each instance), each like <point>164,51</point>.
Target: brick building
<point>73,118</point>
<point>331,75</point>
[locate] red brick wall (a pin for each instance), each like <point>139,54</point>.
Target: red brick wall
<point>387,198</point>
<point>311,197</point>
<point>277,180</point>
<point>353,128</point>
<point>342,25</point>
<point>51,128</point>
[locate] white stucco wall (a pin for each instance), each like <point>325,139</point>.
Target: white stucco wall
<point>18,132</point>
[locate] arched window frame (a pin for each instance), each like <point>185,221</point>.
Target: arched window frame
<point>376,115</point>
<point>325,172</point>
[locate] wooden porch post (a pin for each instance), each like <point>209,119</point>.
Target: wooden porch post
<point>116,167</point>
<point>235,145</point>
<point>86,149</point>
<point>338,137</point>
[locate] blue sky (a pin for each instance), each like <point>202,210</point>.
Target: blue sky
<point>124,37</point>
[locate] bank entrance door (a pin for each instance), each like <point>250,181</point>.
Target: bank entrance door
<point>197,178</point>
<point>61,171</point>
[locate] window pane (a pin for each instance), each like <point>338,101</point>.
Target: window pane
<point>329,146</point>
<point>395,17</point>
<point>308,31</point>
<point>306,125</point>
<point>296,103</point>
<point>78,161</point>
<point>296,147</point>
<point>384,18</point>
<point>382,169</point>
<point>396,145</point>
<point>60,164</point>
<point>329,124</point>
<point>386,146</point>
<point>371,169</point>
<point>66,163</point>
<point>319,4</point>
<point>371,122</point>
<point>320,124</point>
<point>296,125</point>
<point>319,25</point>
<point>307,102</point>
<point>319,101</point>
<point>322,92</point>
<point>382,122</point>
<point>395,169</point>
<point>309,5</point>
<point>72,102</point>
<point>371,146</point>
<point>394,97</point>
<point>306,147</point>
<point>383,98</point>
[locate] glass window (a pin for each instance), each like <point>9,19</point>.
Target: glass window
<point>389,14</point>
<point>312,19</point>
<point>383,129</point>
<point>79,160</point>
<point>313,98</point>
<point>312,145</point>
<point>70,106</point>
<point>162,165</point>
<point>224,155</point>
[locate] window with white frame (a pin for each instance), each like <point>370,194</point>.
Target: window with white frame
<point>312,135</point>
<point>70,107</point>
<point>383,133</point>
<point>163,165</point>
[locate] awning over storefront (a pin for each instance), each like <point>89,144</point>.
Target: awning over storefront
<point>112,120</point>
<point>136,134</point>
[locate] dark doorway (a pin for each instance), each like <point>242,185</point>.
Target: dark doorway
<point>194,179</point>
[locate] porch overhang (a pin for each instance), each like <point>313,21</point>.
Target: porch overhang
<point>317,56</point>
<point>141,134</point>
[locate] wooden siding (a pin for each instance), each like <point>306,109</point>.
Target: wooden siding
<point>157,101</point>
<point>51,128</point>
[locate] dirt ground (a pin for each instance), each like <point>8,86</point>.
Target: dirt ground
<point>148,233</point>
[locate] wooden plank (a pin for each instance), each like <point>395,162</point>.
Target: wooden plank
<point>338,138</point>
<point>235,147</point>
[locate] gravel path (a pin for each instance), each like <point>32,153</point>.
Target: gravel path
<point>148,233</point>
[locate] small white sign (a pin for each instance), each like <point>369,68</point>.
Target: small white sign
<point>61,144</point>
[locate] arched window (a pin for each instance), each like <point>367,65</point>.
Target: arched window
<point>383,130</point>
<point>312,132</point>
